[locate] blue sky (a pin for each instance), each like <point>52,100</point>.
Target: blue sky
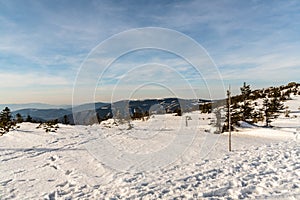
<point>43,43</point>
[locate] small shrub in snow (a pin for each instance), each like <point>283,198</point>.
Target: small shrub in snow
<point>130,126</point>
<point>50,126</point>
<point>188,117</point>
<point>287,112</point>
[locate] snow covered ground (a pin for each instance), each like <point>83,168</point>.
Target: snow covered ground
<point>159,158</point>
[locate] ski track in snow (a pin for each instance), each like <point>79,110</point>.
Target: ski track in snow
<point>264,163</point>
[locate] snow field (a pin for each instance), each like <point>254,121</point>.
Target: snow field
<point>264,162</point>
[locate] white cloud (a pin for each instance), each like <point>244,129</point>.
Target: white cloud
<point>17,80</point>
<point>244,40</point>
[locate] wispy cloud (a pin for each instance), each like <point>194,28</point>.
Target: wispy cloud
<point>25,80</point>
<point>246,39</point>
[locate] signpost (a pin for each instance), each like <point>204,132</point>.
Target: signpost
<point>229,119</point>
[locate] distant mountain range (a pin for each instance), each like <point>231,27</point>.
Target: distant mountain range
<point>14,107</point>
<point>94,112</point>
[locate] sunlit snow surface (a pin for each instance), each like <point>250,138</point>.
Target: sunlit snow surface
<point>70,164</point>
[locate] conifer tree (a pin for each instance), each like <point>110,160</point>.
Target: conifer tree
<point>6,123</point>
<point>66,120</point>
<point>242,108</point>
<point>272,109</point>
<point>266,104</point>
<point>247,107</point>
<point>19,118</point>
<point>29,118</point>
<point>246,91</point>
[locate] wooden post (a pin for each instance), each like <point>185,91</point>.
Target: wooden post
<point>186,121</point>
<point>229,118</point>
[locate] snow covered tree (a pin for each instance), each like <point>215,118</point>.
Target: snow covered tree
<point>247,107</point>
<point>272,109</point>
<point>219,120</point>
<point>205,107</point>
<point>178,111</point>
<point>276,106</point>
<point>6,123</point>
<point>242,108</point>
<point>235,114</point>
<point>232,111</point>
<point>5,115</point>
<point>246,91</point>
<point>266,104</point>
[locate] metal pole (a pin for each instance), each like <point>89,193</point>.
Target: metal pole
<point>229,118</point>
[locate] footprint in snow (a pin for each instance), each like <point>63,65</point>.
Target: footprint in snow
<point>68,172</point>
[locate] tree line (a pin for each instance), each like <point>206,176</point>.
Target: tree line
<point>243,106</point>
<point>8,122</point>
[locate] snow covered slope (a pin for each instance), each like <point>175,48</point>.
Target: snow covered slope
<point>74,164</point>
